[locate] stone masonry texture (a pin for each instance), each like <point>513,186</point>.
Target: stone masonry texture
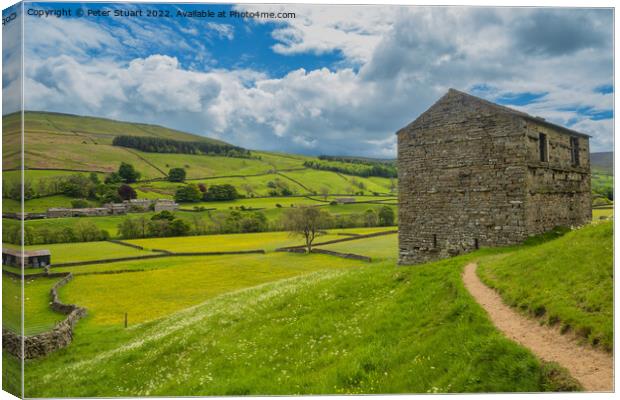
<point>471,174</point>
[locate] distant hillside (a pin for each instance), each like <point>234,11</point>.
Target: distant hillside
<point>65,141</point>
<point>603,161</point>
<point>357,159</point>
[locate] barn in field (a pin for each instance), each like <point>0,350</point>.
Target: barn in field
<point>32,258</point>
<point>473,173</point>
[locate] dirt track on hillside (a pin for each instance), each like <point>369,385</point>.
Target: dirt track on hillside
<point>592,368</point>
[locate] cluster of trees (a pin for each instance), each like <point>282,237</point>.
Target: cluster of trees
<point>163,224</point>
<point>79,186</point>
<point>82,231</point>
<point>161,145</point>
<point>176,175</point>
<point>354,167</point>
<point>167,224</point>
<point>278,187</point>
<point>114,188</point>
<point>194,193</point>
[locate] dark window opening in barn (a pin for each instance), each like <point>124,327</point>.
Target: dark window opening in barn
<point>476,244</point>
<point>542,147</point>
<point>434,241</point>
<point>574,150</point>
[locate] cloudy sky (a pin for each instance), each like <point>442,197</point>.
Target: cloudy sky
<point>333,80</point>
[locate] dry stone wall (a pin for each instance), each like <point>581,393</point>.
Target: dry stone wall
<point>44,343</point>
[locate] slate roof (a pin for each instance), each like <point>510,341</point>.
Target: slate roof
<point>506,110</point>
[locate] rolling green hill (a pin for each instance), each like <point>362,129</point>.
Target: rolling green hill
<point>71,142</point>
<point>311,324</point>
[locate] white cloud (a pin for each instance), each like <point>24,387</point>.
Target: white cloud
<point>398,61</point>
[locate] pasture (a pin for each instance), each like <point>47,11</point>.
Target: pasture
<point>175,283</point>
<point>316,181</point>
<point>377,248</point>
<point>87,251</point>
<point>283,323</point>
<point>38,315</point>
<point>602,213</point>
<point>567,281</point>
<point>368,329</point>
<point>268,241</point>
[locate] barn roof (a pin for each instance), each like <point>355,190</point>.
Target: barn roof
<point>27,253</point>
<point>501,109</point>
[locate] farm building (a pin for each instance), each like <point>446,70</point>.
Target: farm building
<point>76,212</point>
<point>345,200</point>
<point>32,258</point>
<point>473,173</point>
<point>165,205</point>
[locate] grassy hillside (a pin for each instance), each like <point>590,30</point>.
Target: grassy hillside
<point>63,141</point>
<point>568,281</point>
<point>374,329</point>
<point>286,323</point>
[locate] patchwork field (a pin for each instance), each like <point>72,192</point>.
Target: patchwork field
<point>268,241</point>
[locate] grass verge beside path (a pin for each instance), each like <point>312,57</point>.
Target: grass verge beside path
<point>539,281</point>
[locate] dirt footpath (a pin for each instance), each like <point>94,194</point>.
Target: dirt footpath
<point>592,368</point>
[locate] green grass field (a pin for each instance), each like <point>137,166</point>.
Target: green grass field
<point>316,180</point>
<point>567,281</point>
<point>88,251</point>
<point>378,248</point>
<point>268,241</point>
<point>183,282</point>
<point>38,316</point>
<point>288,323</point>
<point>370,329</point>
<point>39,205</point>
<point>602,213</point>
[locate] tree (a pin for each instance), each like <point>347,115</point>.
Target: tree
<point>113,178</point>
<point>79,203</point>
<point>221,193</point>
<point>176,175</point>
<point>178,227</point>
<point>187,194</point>
<point>128,173</point>
<point>126,192</point>
<point>78,186</point>
<point>371,218</point>
<point>306,222</point>
<point>386,216</point>
<point>164,215</point>
<point>86,231</point>
<point>324,192</point>
<point>94,178</point>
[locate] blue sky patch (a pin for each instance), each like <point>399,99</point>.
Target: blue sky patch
<point>520,99</point>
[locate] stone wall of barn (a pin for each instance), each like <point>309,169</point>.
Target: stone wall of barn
<point>461,180</point>
<point>558,189</point>
<point>470,175</point>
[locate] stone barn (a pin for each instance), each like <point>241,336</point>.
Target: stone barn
<point>473,173</point>
<point>32,258</point>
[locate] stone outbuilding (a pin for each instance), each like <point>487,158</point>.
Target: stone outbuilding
<point>473,173</point>
<point>32,258</point>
